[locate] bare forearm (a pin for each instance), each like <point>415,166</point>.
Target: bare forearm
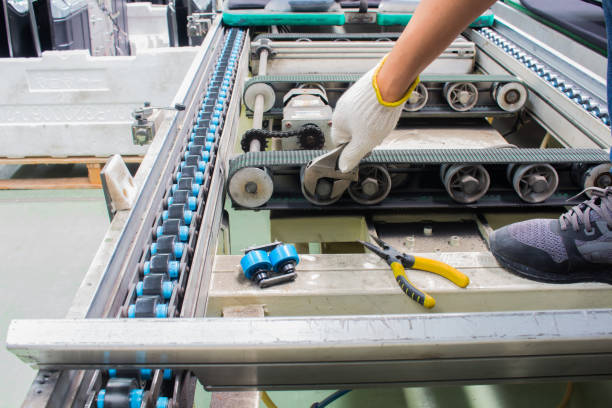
<point>434,25</point>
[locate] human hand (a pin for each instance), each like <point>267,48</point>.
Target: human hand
<point>363,119</point>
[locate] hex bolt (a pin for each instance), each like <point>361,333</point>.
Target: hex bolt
<point>369,186</point>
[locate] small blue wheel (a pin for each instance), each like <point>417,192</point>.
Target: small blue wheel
<point>282,255</point>
<point>255,261</point>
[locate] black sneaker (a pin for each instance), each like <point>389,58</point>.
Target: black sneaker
<point>575,248</point>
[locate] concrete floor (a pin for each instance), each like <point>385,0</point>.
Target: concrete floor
<point>48,240</point>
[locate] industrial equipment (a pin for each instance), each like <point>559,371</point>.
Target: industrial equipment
<point>518,125</point>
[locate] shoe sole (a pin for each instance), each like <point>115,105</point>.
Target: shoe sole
<point>603,276</point>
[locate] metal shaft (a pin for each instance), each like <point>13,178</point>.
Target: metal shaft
<point>258,110</point>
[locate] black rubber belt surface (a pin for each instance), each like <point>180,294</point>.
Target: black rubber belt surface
<point>297,158</point>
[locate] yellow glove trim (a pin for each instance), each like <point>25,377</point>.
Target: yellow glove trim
<point>377,90</point>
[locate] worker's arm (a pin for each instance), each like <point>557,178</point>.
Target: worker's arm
<point>363,117</point>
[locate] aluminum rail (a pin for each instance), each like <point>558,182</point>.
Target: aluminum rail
<point>566,119</point>
<point>297,352</point>
<point>106,282</point>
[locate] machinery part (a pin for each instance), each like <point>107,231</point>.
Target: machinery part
<point>167,245</point>
<point>183,197</point>
<point>178,212</point>
<point>461,96</point>
<point>270,264</point>
<point>307,107</point>
<point>322,183</point>
<point>173,227</point>
<point>148,306</point>
<point>533,183</point>
<point>328,36</point>
<point>400,164</point>
<point>155,285</point>
<point>466,92</point>
<point>161,264</point>
<point>597,176</point>
<point>120,393</point>
<point>256,265</point>
<point>588,101</point>
<point>373,185</point>
<point>417,100</point>
<point>309,135</point>
<point>143,129</point>
<point>260,135</point>
<point>284,259</point>
<point>250,94</point>
<point>198,25</point>
<point>511,96</point>
<point>251,187</point>
<point>465,183</point>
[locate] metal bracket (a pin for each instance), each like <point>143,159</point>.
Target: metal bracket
<point>143,129</point>
<point>198,25</point>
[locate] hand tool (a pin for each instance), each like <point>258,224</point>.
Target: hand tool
<point>322,182</point>
<point>399,261</point>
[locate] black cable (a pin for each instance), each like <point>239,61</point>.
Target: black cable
<point>330,399</point>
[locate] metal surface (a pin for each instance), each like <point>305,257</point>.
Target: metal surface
<point>567,120</point>
<point>322,182</point>
<point>563,47</point>
<point>496,335</point>
<point>105,283</point>
<point>345,55</point>
<point>478,103</point>
<point>402,349</point>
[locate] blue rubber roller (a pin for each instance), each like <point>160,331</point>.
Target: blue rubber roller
<point>256,265</point>
<point>199,176</point>
<point>284,258</point>
<point>192,202</point>
<point>167,245</point>
<point>146,308</point>
<point>164,289</point>
<point>134,398</point>
<point>162,264</point>
<point>147,373</point>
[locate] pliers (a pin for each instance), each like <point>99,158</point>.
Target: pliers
<point>399,261</point>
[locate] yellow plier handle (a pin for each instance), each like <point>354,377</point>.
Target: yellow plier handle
<point>429,265</point>
<point>408,288</point>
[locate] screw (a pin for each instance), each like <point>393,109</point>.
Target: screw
<point>288,125</point>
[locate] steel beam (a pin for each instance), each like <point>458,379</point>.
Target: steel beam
<point>286,352</point>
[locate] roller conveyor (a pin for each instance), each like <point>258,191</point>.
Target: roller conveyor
<point>156,274</point>
<point>417,178</point>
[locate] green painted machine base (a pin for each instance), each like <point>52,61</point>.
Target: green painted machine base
<point>257,18</point>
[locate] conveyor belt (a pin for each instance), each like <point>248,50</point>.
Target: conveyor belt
<point>470,95</point>
<point>429,177</point>
<point>165,264</point>
<point>582,97</point>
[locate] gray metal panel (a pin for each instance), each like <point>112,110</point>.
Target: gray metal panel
<point>506,346</point>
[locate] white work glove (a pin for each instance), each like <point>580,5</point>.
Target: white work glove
<point>363,119</point>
